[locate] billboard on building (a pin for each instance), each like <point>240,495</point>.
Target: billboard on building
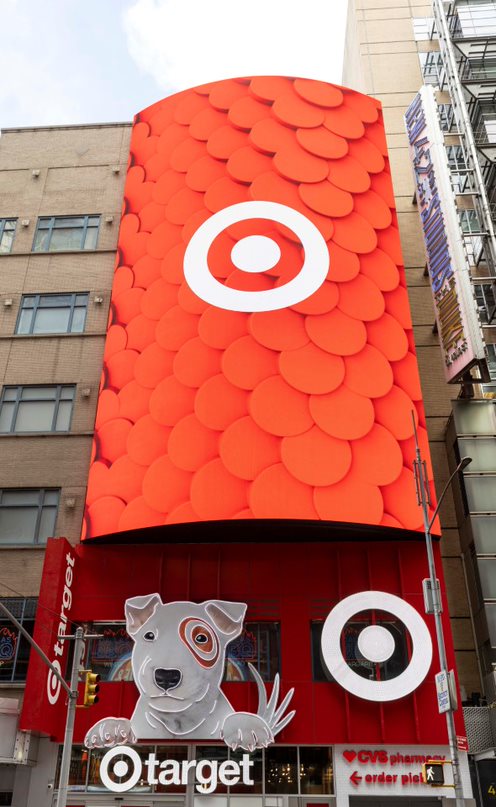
<point>259,360</point>
<point>447,261</point>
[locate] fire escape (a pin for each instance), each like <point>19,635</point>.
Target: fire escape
<point>465,68</point>
<point>467,71</point>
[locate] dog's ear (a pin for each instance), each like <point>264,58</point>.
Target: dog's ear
<point>138,610</point>
<point>226,616</point>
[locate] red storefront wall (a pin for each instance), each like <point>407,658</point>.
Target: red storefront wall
<point>291,583</point>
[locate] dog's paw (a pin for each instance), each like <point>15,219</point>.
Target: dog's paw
<point>247,731</point>
<point>109,732</point>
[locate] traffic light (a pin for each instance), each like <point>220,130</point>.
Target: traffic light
<point>433,773</point>
<point>91,689</point>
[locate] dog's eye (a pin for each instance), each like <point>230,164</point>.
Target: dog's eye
<point>201,638</point>
<point>149,636</point>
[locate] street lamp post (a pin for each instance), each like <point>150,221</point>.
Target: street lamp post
<point>420,472</point>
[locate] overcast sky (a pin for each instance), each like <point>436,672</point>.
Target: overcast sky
<point>85,61</point>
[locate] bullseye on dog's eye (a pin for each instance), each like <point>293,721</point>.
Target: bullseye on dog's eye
<point>149,636</point>
<point>202,638</point>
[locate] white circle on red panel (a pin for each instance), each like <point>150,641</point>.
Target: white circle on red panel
<point>376,643</point>
<point>255,253</point>
<point>337,665</point>
<point>310,277</point>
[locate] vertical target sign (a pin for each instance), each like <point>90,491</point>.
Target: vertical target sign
<point>259,360</point>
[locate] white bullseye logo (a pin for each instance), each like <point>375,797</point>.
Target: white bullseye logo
<point>256,253</point>
<point>53,683</point>
<point>375,643</point>
<point>121,768</point>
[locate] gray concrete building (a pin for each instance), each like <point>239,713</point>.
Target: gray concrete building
<point>393,48</point>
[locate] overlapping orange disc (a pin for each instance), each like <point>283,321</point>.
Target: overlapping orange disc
<point>209,411</point>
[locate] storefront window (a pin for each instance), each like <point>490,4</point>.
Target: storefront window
<point>258,644</point>
<point>305,770</point>
<point>281,770</point>
<point>78,768</point>
<point>110,655</point>
<point>94,782</point>
<point>373,671</point>
<point>315,770</point>
<point>219,753</point>
<point>256,773</point>
<point>178,753</point>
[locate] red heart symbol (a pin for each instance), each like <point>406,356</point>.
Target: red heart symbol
<point>349,755</point>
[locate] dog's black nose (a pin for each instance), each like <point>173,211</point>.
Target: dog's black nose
<point>167,679</point>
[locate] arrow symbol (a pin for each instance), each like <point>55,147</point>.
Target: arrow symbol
<point>355,778</point>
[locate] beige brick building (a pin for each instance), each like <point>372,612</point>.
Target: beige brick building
<point>54,303</point>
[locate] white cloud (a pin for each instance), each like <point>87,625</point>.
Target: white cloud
<point>182,43</point>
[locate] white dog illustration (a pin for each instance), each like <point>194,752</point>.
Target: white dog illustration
<point>178,664</point>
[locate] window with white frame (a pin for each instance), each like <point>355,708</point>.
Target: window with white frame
<point>7,232</point>
<point>36,408</point>
<point>66,233</point>
<point>27,515</point>
<point>52,313</point>
<point>424,28</point>
<point>476,19</point>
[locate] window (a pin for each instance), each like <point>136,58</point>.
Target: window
<point>486,302</point>
<point>37,409</point>
<point>52,313</point>
<point>484,531</point>
<point>258,644</point>
<point>474,417</point>
<point>489,390</point>
<point>431,65</point>
<point>7,232</point>
<point>315,770</point>
<point>447,119</point>
<point>487,573</point>
<point>460,175</point>
<point>27,515</point>
<point>424,28</point>
<point>277,770</point>
<point>469,222</point>
<point>491,622</point>
<point>110,655</point>
<point>477,19</point>
<point>384,671</point>
<point>491,359</point>
<point>14,648</point>
<point>483,453</point>
<point>481,493</point>
<point>62,233</point>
